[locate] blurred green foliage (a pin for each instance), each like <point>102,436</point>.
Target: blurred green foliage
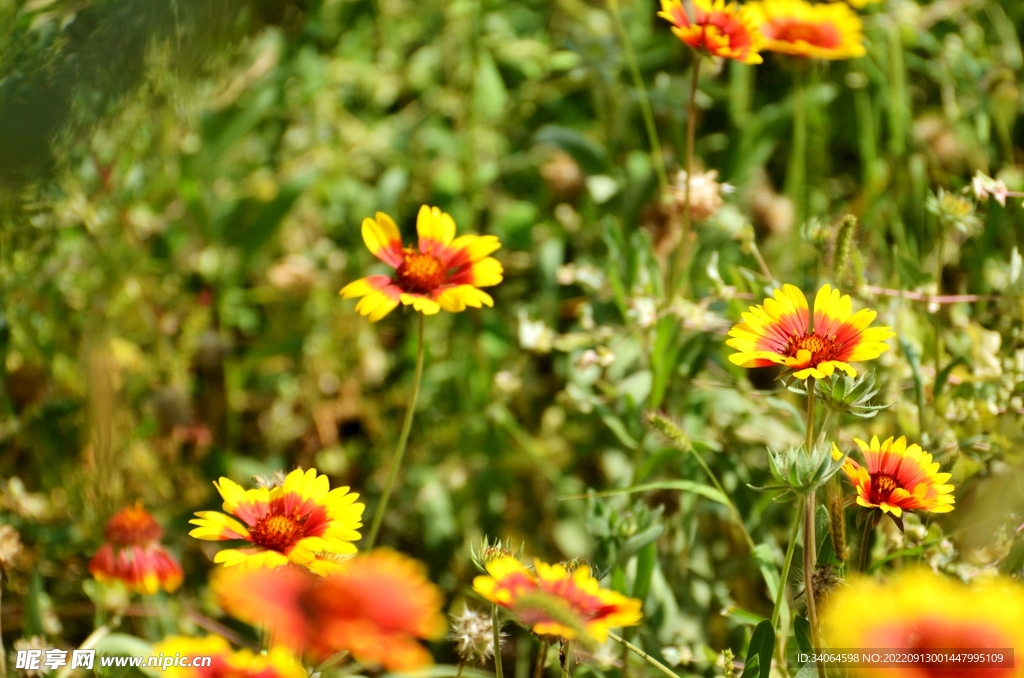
<point>183,187</point>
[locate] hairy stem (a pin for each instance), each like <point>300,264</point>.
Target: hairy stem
<point>403,440</point>
<point>810,549</point>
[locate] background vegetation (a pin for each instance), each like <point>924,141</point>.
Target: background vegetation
<point>183,184</point>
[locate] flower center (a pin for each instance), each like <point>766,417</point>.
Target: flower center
<point>882,486</point>
<point>277,532</point>
<point>420,273</point>
<point>820,348</point>
<point>132,525</point>
<point>790,30</point>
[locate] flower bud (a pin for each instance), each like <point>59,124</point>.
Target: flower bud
<point>485,552</point>
<point>802,473</point>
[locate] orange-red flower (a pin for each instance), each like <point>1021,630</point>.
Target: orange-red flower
<point>716,28</point>
<point>826,30</point>
<point>779,332</point>
<point>897,478</point>
<point>445,272</point>
<point>302,521</point>
<point>920,611</point>
<point>588,607</point>
<point>191,655</point>
<point>133,554</point>
<point>377,606</point>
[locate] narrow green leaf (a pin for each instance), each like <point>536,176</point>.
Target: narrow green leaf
<point>646,561</point>
<point>619,429</point>
<point>705,491</point>
<point>759,654</point>
<point>802,630</point>
<point>943,376</point>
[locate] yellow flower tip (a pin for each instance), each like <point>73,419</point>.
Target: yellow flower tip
<point>276,663</point>
<point>575,593</point>
<point>897,478</point>
<point>301,521</point>
<point>779,331</point>
<point>715,28</point>
<point>827,30</point>
<point>443,272</point>
<point>919,610</point>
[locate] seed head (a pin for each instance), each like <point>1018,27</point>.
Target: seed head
<point>474,636</point>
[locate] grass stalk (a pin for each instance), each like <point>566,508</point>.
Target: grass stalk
<point>787,563</point>
<point>796,173</point>
<point>643,655</point>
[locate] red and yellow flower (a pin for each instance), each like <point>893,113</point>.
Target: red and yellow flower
<point>897,478</point>
<point>302,521</point>
<point>920,611</point>
<point>826,30</point>
<point>224,662</point>
<point>133,554</point>
<point>444,272</point>
<point>717,28</point>
<point>594,610</point>
<point>779,332</point>
<point>378,607</point>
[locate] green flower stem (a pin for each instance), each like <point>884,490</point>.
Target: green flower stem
<point>809,442</point>
<point>643,655</point>
<point>403,441</point>
<point>796,175</point>
<point>683,260</point>
<point>496,634</point>
<point>781,593</point>
<point>657,159</point>
<point>542,655</point>
<point>810,549</point>
<point>833,497</point>
<point>864,557</point>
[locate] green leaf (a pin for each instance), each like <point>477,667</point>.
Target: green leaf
<point>759,654</point>
<point>943,376</point>
<point>639,541</point>
<point>765,558</point>
<point>33,624</point>
<point>664,358</point>
<point>619,429</point>
<point>823,533</point>
<point>253,223</point>
<point>745,617</point>
<point>646,562</point>
<point>802,630</point>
